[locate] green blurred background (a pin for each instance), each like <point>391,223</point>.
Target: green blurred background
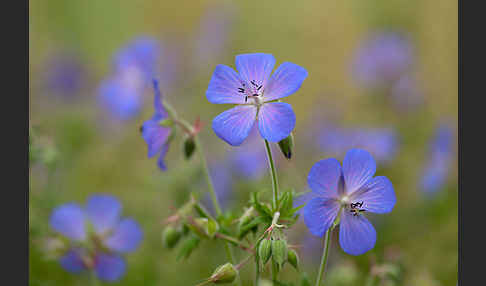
<point>87,156</point>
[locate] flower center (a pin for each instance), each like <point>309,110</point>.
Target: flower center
<point>356,208</point>
<point>252,92</point>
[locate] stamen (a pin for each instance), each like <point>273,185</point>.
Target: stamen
<point>356,208</point>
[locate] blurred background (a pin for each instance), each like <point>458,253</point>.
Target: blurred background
<point>382,77</point>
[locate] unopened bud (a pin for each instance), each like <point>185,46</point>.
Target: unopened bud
<point>189,147</point>
<point>293,258</point>
<point>170,237</point>
<point>265,250</point>
<point>279,251</point>
<point>225,273</point>
<point>286,145</point>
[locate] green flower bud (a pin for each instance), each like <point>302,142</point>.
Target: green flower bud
<point>286,145</point>
<point>170,237</point>
<point>279,251</point>
<point>265,251</point>
<point>225,273</point>
<point>189,147</point>
<point>293,258</point>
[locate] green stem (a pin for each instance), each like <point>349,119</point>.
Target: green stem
<point>325,253</point>
<point>273,173</point>
<point>94,280</point>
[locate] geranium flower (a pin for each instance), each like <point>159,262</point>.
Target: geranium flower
<point>98,236</point>
<point>256,94</point>
<point>155,135</point>
<point>346,193</point>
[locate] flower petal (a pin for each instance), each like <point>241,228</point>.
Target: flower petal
<point>109,267</point>
<point>120,99</point>
<point>160,160</point>
<point>103,212</point>
<point>324,178</point>
<point>223,87</point>
<point>68,219</point>
<point>286,80</point>
<point>276,120</point>
<point>377,195</point>
<point>234,125</point>
<point>255,67</point>
<point>72,262</point>
<point>155,136</point>
<point>358,167</point>
<point>356,234</point>
<point>160,111</point>
<point>126,236</point>
<point>319,214</point>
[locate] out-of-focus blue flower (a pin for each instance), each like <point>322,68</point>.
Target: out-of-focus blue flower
<point>221,177</point>
<point>121,94</point>
<point>382,59</point>
<point>98,235</point>
<point>155,135</point>
<point>213,33</point>
<point>406,93</point>
<point>65,74</point>
<point>349,190</point>
<point>255,92</point>
<point>249,160</point>
<point>383,143</point>
<point>439,161</point>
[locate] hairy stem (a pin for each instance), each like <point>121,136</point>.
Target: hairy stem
<point>273,173</point>
<point>325,253</point>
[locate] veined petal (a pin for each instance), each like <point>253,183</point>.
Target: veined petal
<point>160,111</point>
<point>234,125</point>
<point>377,195</point>
<point>286,80</point>
<point>255,67</point>
<point>109,267</point>
<point>324,178</point>
<point>103,212</point>
<point>155,136</point>
<point>72,262</point>
<point>319,214</point>
<point>358,168</point>
<point>68,219</point>
<point>356,234</point>
<point>224,85</point>
<point>126,236</point>
<point>161,159</point>
<point>276,120</point>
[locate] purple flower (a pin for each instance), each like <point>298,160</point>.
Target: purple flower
<point>439,162</point>
<point>382,59</point>
<point>121,94</point>
<point>255,92</point>
<point>348,192</point>
<point>382,143</point>
<point>155,135</point>
<point>99,236</point>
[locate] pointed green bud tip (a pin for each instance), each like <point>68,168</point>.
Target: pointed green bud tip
<point>293,258</point>
<point>265,251</point>
<point>286,145</point>
<point>189,147</point>
<point>279,251</point>
<point>225,273</point>
<point>170,237</point>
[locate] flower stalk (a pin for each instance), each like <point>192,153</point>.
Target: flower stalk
<point>273,173</point>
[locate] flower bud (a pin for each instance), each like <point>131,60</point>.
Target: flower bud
<point>170,237</point>
<point>279,251</point>
<point>265,251</point>
<point>286,145</point>
<point>225,273</point>
<point>293,258</point>
<point>189,147</point>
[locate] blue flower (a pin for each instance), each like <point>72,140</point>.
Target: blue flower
<point>348,192</point>
<point>382,143</point>
<point>65,74</point>
<point>99,226</point>
<point>133,68</point>
<point>155,135</point>
<point>382,59</point>
<point>255,92</point>
<point>439,161</point>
